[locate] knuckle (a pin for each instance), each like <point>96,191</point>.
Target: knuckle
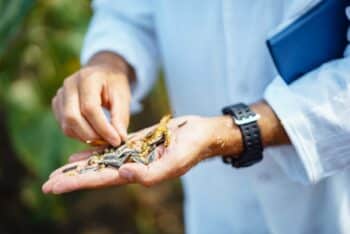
<point>66,130</point>
<point>66,82</point>
<point>87,108</point>
<point>70,118</point>
<point>59,91</point>
<point>82,75</point>
<point>104,132</point>
<point>88,73</point>
<point>84,72</point>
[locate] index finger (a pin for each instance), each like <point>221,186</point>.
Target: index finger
<point>90,91</point>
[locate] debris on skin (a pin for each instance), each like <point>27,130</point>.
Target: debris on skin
<point>96,142</point>
<point>182,124</point>
<point>220,142</point>
<point>68,169</point>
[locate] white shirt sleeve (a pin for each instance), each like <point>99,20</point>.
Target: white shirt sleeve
<point>315,112</point>
<point>126,28</point>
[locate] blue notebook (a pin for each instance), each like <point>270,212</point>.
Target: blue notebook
<point>316,37</point>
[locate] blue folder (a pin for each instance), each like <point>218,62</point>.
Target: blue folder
<point>316,37</point>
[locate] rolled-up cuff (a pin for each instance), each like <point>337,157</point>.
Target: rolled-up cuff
<point>304,166</point>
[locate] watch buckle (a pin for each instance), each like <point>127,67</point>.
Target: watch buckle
<point>247,120</point>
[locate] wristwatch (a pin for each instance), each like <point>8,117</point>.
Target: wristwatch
<point>246,120</point>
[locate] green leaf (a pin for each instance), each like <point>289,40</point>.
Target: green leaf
<point>39,142</point>
<point>12,16</point>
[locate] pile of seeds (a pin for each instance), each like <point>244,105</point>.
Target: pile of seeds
<point>140,150</point>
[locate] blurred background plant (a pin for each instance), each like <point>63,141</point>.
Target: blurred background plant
<point>40,43</point>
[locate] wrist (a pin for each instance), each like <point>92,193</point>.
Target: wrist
<point>225,137</point>
<point>271,129</point>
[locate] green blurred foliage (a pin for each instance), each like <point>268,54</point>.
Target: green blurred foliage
<point>40,42</point>
<point>11,20</point>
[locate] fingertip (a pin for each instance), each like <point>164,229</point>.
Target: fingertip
<point>115,141</point>
<point>45,188</point>
<point>113,137</point>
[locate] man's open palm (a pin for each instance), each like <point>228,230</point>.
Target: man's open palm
<point>189,143</point>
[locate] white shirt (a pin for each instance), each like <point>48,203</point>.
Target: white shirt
<point>213,53</point>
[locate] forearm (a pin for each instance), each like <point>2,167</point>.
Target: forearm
<point>227,138</point>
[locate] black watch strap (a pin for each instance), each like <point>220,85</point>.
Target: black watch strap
<point>246,119</point>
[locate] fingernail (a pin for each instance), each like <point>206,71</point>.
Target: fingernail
<point>126,174</point>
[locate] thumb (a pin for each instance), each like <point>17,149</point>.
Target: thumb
<point>147,175</point>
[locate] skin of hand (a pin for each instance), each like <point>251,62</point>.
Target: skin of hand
<point>198,139</point>
<point>189,144</point>
<point>77,106</point>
